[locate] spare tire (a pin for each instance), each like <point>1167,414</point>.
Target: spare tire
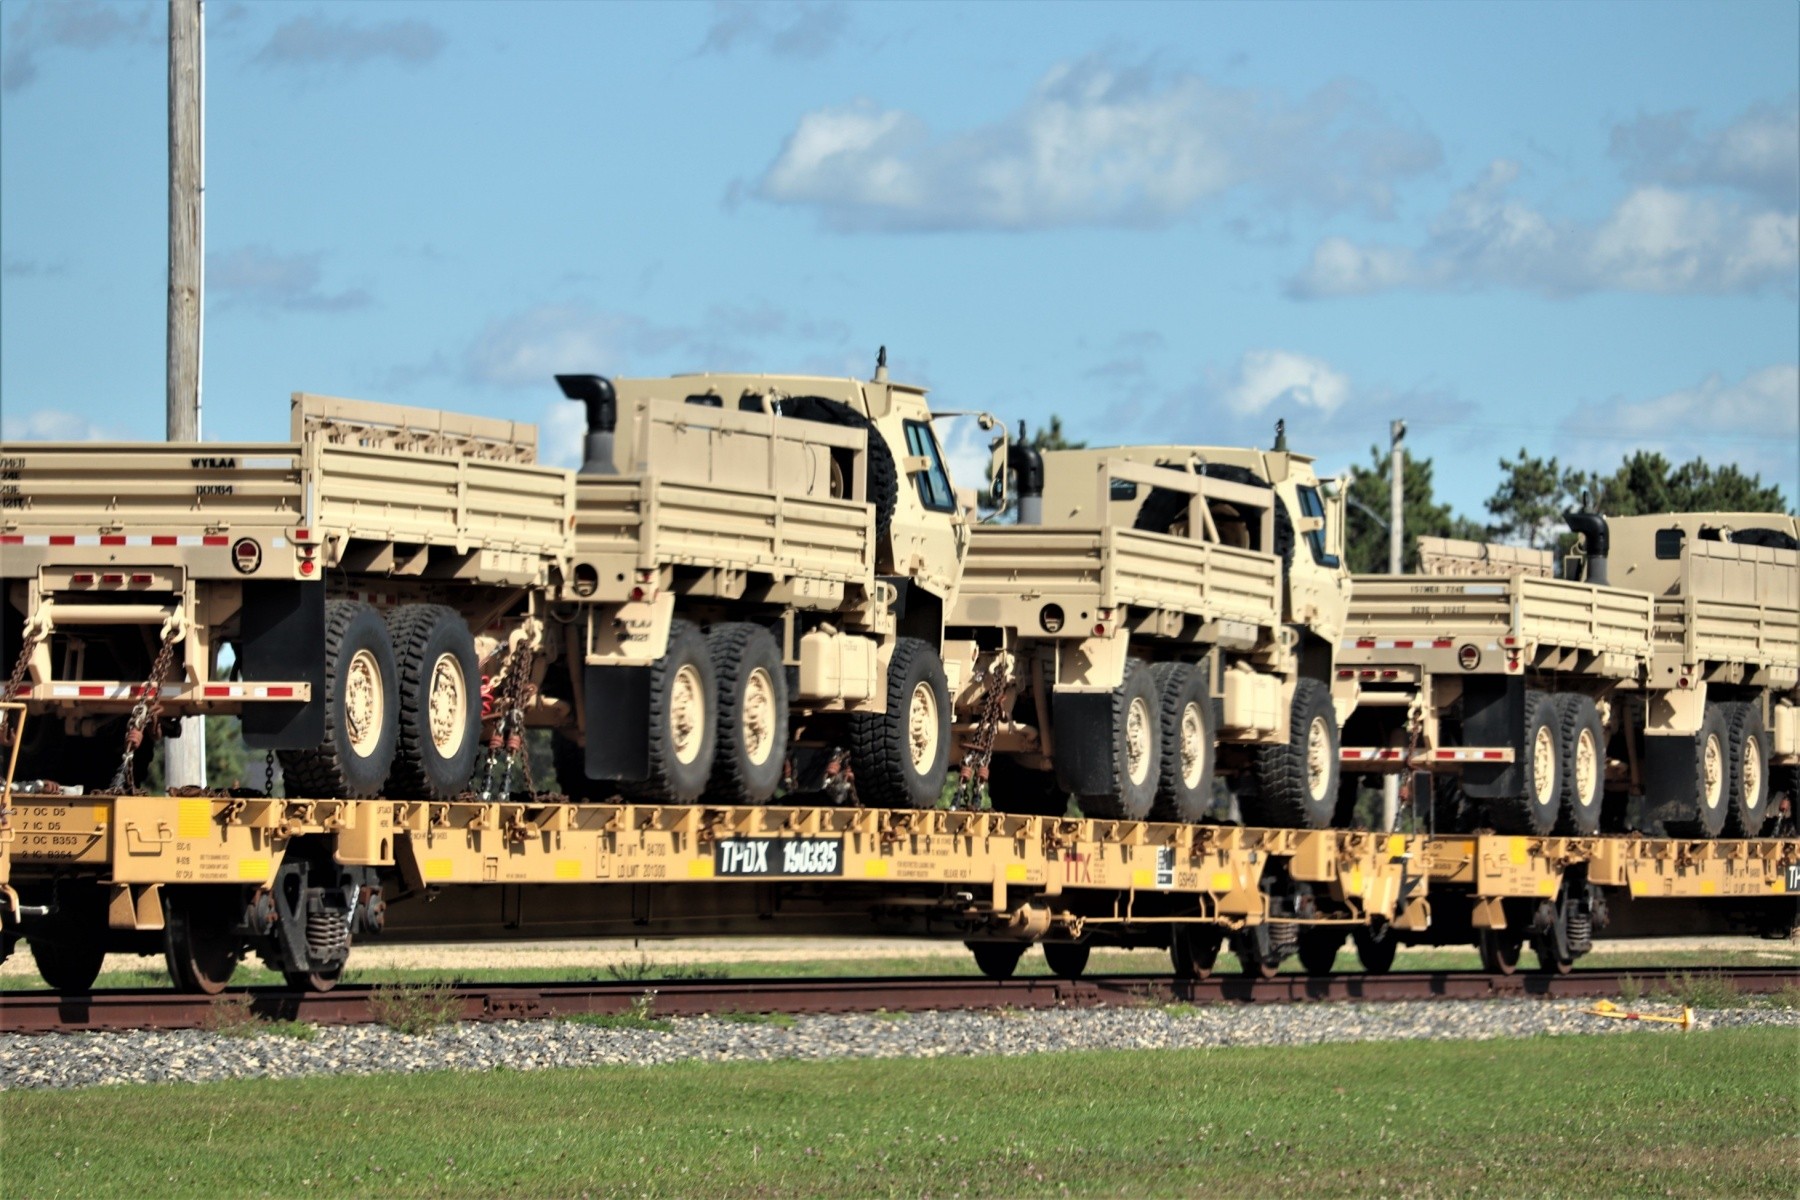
<point>884,476</point>
<point>1164,506</point>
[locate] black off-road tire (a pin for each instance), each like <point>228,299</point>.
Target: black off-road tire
<point>1066,960</point>
<point>890,771</point>
<point>335,769</point>
<point>429,640</point>
<point>1184,793</point>
<point>1287,792</point>
<point>1535,810</point>
<point>1748,745</point>
<point>570,760</point>
<point>1319,946</point>
<point>884,477</point>
<point>747,669</point>
<point>677,776</point>
<point>1016,789</point>
<point>1709,818</point>
<point>997,960</point>
<point>1129,798</point>
<point>1580,734</point>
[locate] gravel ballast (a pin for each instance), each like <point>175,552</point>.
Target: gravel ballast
<point>188,1056</point>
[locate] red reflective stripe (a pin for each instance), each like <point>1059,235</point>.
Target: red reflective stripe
<point>216,689</point>
<point>61,539</point>
<point>12,539</point>
<point>281,691</point>
<point>163,539</point>
<point>1493,754</point>
<point>1442,644</point>
<point>86,690</point>
<point>210,540</point>
<point>1365,643</point>
<point>112,539</point>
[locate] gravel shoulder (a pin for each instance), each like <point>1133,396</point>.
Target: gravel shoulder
<point>87,1060</point>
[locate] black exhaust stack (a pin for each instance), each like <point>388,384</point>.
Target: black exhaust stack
<point>595,391</point>
<point>1026,463</point>
<point>1594,542</point>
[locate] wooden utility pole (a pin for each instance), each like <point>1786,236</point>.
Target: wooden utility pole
<point>1390,784</point>
<point>184,757</point>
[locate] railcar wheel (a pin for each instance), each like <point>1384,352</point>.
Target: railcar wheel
<point>313,981</point>
<point>1499,950</point>
<point>1067,960</point>
<point>439,692</point>
<point>1582,771</point>
<point>1262,949</point>
<point>69,945</point>
<point>199,944</point>
<point>997,960</point>
<point>1549,961</point>
<point>902,755</point>
<point>1748,746</point>
<point>1194,950</point>
<point>1296,782</point>
<point>1376,952</point>
<point>1189,742</point>
<point>1319,946</point>
<point>753,713</point>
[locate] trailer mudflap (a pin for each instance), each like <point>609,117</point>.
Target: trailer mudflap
<point>1670,767</point>
<point>618,722</point>
<point>282,638</point>
<point>1493,715</point>
<point>1085,743</point>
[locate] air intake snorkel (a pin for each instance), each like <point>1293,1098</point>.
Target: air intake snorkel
<point>1026,462</point>
<point>595,391</point>
<point>1594,542</point>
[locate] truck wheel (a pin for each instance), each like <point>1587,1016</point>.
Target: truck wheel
<point>684,724</point>
<point>440,702</point>
<point>361,716</point>
<point>1582,772</point>
<point>1189,743</point>
<point>884,478</point>
<point>753,713</point>
<point>1540,766</point>
<point>1712,774</point>
<point>1748,746</point>
<point>1136,735</point>
<point>901,756</point>
<point>997,960</point>
<point>1066,960</point>
<point>1297,781</point>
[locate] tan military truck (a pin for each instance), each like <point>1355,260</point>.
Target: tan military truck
<point>1663,668</point>
<point>1174,614</point>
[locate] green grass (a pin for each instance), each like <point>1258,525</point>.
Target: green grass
<point>1713,1113</point>
<point>1032,965</point>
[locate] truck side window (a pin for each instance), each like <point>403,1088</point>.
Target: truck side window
<point>1311,505</point>
<point>935,492</point>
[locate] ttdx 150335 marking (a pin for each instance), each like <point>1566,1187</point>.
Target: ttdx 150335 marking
<point>778,856</point>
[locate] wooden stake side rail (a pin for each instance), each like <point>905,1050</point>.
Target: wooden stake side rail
<point>998,859</point>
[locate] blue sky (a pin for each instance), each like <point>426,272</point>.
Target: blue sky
<point>1565,227</point>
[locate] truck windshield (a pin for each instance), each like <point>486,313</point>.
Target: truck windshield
<point>1313,506</point>
<point>934,482</point>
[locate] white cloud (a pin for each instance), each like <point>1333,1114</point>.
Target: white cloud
<point>1094,144</point>
<point>1285,380</point>
<point>315,41</point>
<point>1655,240</point>
<point>786,31</point>
<point>70,25</point>
<point>259,278</point>
<point>1758,153</point>
<point>50,425</point>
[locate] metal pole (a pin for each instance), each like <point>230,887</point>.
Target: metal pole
<point>1390,784</point>
<point>184,757</point>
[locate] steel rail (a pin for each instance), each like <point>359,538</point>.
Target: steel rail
<point>39,1012</point>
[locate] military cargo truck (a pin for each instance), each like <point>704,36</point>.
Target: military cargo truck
<point>1174,614</point>
<point>1652,687</point>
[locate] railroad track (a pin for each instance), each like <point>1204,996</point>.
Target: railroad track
<point>45,1012</point>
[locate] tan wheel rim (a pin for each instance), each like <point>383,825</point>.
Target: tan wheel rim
<point>1751,769</point>
<point>1137,740</point>
<point>1587,768</point>
<point>1193,746</point>
<point>1712,766</point>
<point>687,713</point>
<point>448,706</point>
<point>759,717</point>
<point>363,703</point>
<point>922,726</point>
<point>1543,766</point>
<point>1318,757</point>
